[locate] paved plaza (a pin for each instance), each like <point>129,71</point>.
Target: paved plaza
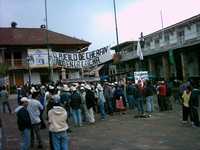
<point>162,131</point>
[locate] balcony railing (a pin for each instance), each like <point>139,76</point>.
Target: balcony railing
<point>16,63</point>
<point>188,40</point>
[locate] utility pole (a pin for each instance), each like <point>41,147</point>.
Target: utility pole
<point>116,30</point>
<point>116,26</point>
<point>50,71</point>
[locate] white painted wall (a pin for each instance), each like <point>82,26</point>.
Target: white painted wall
<point>193,68</point>
<point>162,41</point>
<point>152,44</point>
<point>35,78</point>
<point>173,38</point>
<point>74,75</point>
<point>190,34</point>
<point>55,76</point>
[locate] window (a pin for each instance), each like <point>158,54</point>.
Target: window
<point>157,42</point>
<point>166,37</point>
<point>189,27</point>
<point>147,44</point>
<point>198,27</point>
<point>181,36</point>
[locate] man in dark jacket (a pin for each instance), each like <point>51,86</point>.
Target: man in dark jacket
<point>4,99</point>
<point>149,91</point>
<point>139,98</point>
<point>75,104</point>
<point>24,123</point>
<point>194,104</point>
<point>130,92</point>
<point>109,98</point>
<point>90,102</point>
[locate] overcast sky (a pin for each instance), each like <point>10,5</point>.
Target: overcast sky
<point>93,20</point>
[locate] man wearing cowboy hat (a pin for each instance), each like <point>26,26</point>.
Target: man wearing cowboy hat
<point>34,108</point>
<point>75,104</point>
<point>90,102</point>
<point>65,96</point>
<point>24,123</point>
<point>65,99</point>
<point>101,101</point>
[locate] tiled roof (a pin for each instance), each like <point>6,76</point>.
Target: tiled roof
<point>36,36</point>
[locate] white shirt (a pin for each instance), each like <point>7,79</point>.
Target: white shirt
<point>34,108</point>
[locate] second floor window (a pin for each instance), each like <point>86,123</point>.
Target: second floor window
<point>198,27</point>
<point>181,35</point>
<point>157,42</point>
<point>147,44</point>
<point>166,37</point>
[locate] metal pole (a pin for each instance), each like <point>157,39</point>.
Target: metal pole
<point>47,42</point>
<point>116,27</point>
<point>116,30</point>
<point>161,17</point>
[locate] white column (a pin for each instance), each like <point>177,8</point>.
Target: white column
<point>166,70</point>
<point>137,66</point>
<point>184,66</point>
<point>151,66</point>
<point>63,73</point>
<point>1,55</point>
<point>12,59</point>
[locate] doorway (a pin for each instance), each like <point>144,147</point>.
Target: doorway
<point>44,78</point>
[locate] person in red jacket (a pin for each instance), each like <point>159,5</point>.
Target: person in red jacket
<point>163,95</point>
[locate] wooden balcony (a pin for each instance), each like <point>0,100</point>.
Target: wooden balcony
<point>16,64</point>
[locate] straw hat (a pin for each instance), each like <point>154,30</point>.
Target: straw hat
<point>82,85</point>
<point>66,88</point>
<point>51,87</point>
<point>59,87</point>
<point>82,88</point>
<point>42,87</point>
<point>33,90</point>
<point>88,87</point>
<point>73,88</point>
<point>99,87</point>
<point>25,99</point>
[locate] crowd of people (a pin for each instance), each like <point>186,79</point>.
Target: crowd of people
<point>58,104</point>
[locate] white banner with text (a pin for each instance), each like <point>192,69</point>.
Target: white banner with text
<point>39,58</point>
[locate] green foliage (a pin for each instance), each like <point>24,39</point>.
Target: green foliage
<point>13,89</point>
<point>3,69</point>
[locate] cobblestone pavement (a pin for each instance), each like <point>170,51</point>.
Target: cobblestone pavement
<point>163,131</point>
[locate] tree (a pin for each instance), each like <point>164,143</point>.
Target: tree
<point>3,70</point>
